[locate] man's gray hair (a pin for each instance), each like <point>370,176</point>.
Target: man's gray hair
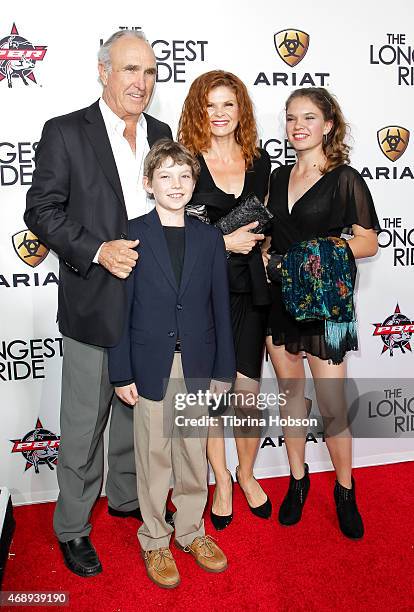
<point>104,56</point>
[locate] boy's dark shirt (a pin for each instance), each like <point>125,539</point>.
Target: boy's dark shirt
<point>175,237</point>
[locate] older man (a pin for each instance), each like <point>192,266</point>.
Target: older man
<point>87,184</point>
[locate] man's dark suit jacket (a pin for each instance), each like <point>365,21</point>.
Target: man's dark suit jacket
<point>159,312</point>
<point>74,204</point>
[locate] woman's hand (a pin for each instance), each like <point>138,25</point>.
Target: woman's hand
<point>218,387</point>
<point>264,248</point>
<point>128,394</point>
<point>265,255</point>
<point>241,240</point>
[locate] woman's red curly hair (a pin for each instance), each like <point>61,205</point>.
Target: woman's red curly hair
<point>194,128</point>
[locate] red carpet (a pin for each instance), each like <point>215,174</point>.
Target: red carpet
<point>310,566</point>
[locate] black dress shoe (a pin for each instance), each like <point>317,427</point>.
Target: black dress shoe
<point>263,511</point>
<point>169,517</point>
<point>350,520</point>
<point>136,513</point>
<point>80,557</point>
<point>221,522</point>
<point>290,511</point>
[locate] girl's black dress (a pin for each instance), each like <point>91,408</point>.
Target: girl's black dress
<point>249,293</point>
<point>338,200</point>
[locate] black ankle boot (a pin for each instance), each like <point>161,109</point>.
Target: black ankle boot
<point>290,511</point>
<point>350,521</point>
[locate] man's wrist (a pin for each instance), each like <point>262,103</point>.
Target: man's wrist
<point>96,258</point>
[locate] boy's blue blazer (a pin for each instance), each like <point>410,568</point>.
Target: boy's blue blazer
<point>159,312</point>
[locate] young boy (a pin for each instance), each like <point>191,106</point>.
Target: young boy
<point>177,337</point>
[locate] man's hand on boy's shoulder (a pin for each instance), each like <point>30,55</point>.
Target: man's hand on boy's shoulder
<point>118,256</point>
<point>128,394</point>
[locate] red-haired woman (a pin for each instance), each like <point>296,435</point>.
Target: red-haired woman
<point>217,124</point>
<point>317,197</point>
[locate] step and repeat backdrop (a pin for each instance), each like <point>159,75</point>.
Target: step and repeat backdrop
<point>364,55</point>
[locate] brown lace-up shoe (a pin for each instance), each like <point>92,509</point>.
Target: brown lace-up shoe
<point>206,553</point>
<point>161,568</point>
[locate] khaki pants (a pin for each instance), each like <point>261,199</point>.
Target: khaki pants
<point>161,452</point>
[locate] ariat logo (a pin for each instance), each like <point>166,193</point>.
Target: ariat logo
<point>393,141</point>
<point>291,46</point>
<point>29,248</point>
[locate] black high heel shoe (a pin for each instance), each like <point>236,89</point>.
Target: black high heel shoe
<point>221,522</point>
<point>265,510</point>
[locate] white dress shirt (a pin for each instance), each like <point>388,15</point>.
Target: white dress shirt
<point>130,165</point>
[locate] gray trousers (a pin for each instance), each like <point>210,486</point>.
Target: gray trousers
<point>85,406</point>
<point>162,451</point>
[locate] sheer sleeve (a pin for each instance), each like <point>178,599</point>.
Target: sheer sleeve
<point>262,166</point>
<point>274,188</point>
<point>355,201</point>
<point>271,202</point>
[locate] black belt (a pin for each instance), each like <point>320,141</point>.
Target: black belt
<point>177,347</point>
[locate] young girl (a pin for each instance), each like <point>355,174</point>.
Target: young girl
<point>319,196</point>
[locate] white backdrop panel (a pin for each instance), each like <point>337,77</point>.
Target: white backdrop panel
<point>350,51</point>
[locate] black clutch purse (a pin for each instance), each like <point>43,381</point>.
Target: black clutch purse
<point>274,267</point>
<point>248,210</point>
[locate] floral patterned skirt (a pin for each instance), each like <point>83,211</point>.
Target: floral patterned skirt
<point>296,336</point>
